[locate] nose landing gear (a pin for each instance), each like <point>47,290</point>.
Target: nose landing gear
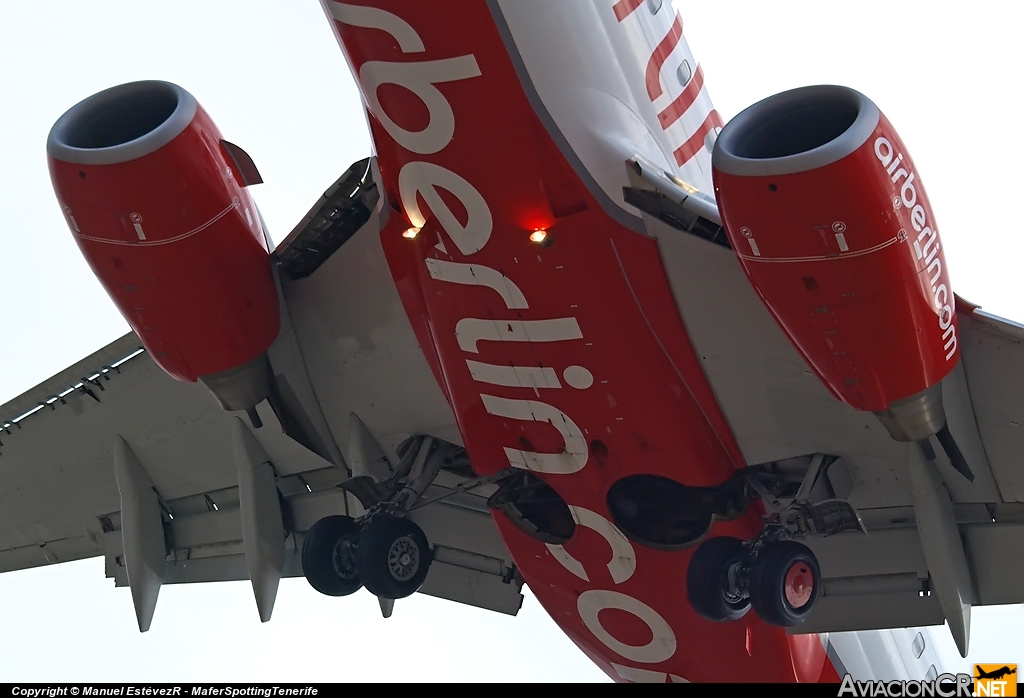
<point>779,579</point>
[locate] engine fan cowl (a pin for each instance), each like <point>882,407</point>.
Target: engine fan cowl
<point>157,204</point>
<point>832,226</point>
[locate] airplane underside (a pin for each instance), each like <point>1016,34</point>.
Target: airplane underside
<point>524,343</point>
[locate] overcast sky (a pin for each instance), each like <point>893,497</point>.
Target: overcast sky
<point>271,75</point>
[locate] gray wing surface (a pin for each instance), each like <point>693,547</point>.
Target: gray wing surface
<point>886,575</point>
<point>346,355</point>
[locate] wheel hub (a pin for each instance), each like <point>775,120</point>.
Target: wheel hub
<point>733,591</point>
<point>799,585</point>
<point>344,558</point>
<point>404,559</point>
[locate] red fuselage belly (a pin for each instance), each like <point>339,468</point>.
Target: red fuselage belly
<point>568,359</point>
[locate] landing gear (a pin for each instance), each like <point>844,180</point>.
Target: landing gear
<point>329,556</point>
<point>784,583</point>
<point>714,582</point>
<point>389,555</point>
<point>382,549</point>
<point>393,557</point>
<point>779,578</point>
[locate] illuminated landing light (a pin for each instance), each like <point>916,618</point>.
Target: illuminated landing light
<point>538,236</point>
<point>684,185</point>
<point>411,233</point>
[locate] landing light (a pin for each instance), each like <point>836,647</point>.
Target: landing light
<point>538,236</point>
<point>684,185</point>
<point>411,233</point>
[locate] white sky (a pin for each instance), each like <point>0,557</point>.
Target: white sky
<point>276,83</point>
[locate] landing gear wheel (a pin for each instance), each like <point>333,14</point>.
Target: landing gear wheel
<point>784,583</point>
<point>393,557</point>
<point>329,556</point>
<point>711,581</point>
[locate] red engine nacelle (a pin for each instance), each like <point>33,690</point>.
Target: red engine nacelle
<point>157,204</point>
<point>831,223</point>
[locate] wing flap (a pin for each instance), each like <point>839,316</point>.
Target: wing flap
<point>874,581</point>
<point>471,566</point>
<point>57,465</point>
<point>995,557</point>
<point>59,550</point>
<point>993,356</point>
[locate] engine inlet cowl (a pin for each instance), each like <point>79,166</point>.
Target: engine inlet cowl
<point>832,226</point>
<point>796,131</point>
<point>122,123</point>
<point>158,207</point>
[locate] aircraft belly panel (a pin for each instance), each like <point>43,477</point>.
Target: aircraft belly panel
<point>508,265</point>
<point>360,351</point>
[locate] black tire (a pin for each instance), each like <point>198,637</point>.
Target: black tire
<point>329,556</point>
<point>784,583</point>
<point>707,580</point>
<point>393,557</point>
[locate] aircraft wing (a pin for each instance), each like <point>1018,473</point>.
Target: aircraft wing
<point>344,333</point>
<point>885,575</point>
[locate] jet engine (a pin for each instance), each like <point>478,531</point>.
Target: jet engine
<point>831,223</point>
<point>156,201</point>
